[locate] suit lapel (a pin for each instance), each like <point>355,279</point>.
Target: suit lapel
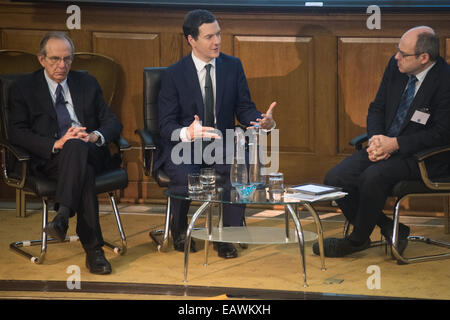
<point>193,86</point>
<point>220,83</point>
<point>42,94</point>
<point>397,92</point>
<point>424,91</point>
<point>77,96</point>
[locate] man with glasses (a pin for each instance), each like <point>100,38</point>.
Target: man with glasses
<point>61,118</point>
<point>411,112</point>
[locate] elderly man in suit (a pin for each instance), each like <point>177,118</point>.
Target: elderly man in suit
<point>411,112</point>
<point>203,91</point>
<point>61,118</point>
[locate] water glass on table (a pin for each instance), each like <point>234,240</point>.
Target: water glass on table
<point>195,187</point>
<point>208,180</point>
<point>276,187</point>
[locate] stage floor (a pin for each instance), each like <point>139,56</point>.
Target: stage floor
<point>260,271</point>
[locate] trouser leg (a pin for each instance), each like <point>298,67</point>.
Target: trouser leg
<point>368,185</point>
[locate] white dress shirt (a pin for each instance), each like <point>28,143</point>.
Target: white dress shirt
<point>52,85</point>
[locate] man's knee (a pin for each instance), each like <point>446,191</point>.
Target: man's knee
<point>332,178</point>
<point>75,145</point>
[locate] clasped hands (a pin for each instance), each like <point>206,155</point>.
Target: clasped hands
<point>197,131</point>
<point>381,147</point>
<point>76,133</point>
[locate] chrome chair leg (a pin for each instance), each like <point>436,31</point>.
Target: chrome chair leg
<point>163,244</point>
<point>123,248</point>
<point>19,246</point>
<point>403,260</point>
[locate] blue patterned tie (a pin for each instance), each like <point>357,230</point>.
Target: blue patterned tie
<point>64,121</point>
<point>403,107</point>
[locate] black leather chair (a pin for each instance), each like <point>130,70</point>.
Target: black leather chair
<point>14,165</point>
<point>150,139</point>
<point>12,62</point>
<point>416,188</point>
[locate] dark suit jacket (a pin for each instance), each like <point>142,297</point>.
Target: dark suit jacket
<point>433,94</point>
<point>180,99</point>
<point>32,117</point>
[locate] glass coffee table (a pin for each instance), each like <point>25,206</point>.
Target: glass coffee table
<point>248,234</point>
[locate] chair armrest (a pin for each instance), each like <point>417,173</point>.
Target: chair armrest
<point>358,141</point>
<point>13,179</point>
<point>420,158</point>
<point>19,153</point>
<point>422,155</point>
<point>147,140</point>
<point>122,144</point>
<point>148,148</point>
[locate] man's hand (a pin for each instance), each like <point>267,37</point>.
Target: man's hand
<point>381,147</point>
<point>267,121</point>
<point>197,131</point>
<point>93,138</point>
<point>72,133</point>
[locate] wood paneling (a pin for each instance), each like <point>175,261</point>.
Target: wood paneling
<point>280,69</point>
<point>360,68</point>
<point>323,69</point>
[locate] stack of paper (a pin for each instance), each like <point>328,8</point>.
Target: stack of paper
<point>298,196</point>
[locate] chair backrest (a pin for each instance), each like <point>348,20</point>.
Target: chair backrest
<point>5,83</point>
<point>152,85</point>
<point>16,61</point>
<point>102,67</point>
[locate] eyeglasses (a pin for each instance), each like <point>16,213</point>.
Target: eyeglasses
<point>404,55</point>
<point>54,60</point>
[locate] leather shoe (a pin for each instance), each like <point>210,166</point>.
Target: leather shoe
<point>179,239</point>
<point>57,229</point>
<point>96,262</point>
<point>403,233</point>
<point>336,248</point>
<point>225,250</point>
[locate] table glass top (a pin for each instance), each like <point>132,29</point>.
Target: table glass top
<point>252,195</point>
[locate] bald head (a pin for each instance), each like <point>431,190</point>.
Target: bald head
<point>422,39</point>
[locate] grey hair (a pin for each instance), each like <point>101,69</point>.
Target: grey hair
<point>428,42</point>
<point>54,35</point>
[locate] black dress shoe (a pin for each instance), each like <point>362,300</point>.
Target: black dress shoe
<point>179,239</point>
<point>225,250</point>
<point>96,262</point>
<point>336,248</point>
<point>403,233</point>
<point>57,229</point>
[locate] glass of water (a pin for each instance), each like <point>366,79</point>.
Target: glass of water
<point>194,185</point>
<point>208,179</point>
<point>276,186</point>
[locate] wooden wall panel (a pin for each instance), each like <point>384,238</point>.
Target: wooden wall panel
<point>447,50</point>
<point>280,69</point>
<point>322,68</point>
<point>360,68</point>
<point>133,52</point>
<point>26,40</point>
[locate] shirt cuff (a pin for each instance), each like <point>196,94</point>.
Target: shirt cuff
<point>101,141</point>
<point>184,136</point>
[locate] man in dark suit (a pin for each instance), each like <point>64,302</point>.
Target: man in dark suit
<point>411,112</point>
<point>61,118</point>
<point>203,91</point>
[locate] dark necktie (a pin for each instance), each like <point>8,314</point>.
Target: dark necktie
<point>208,120</point>
<point>64,121</point>
<point>402,111</point>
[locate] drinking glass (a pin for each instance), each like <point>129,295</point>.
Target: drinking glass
<point>276,186</point>
<point>194,185</point>
<point>208,179</point>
